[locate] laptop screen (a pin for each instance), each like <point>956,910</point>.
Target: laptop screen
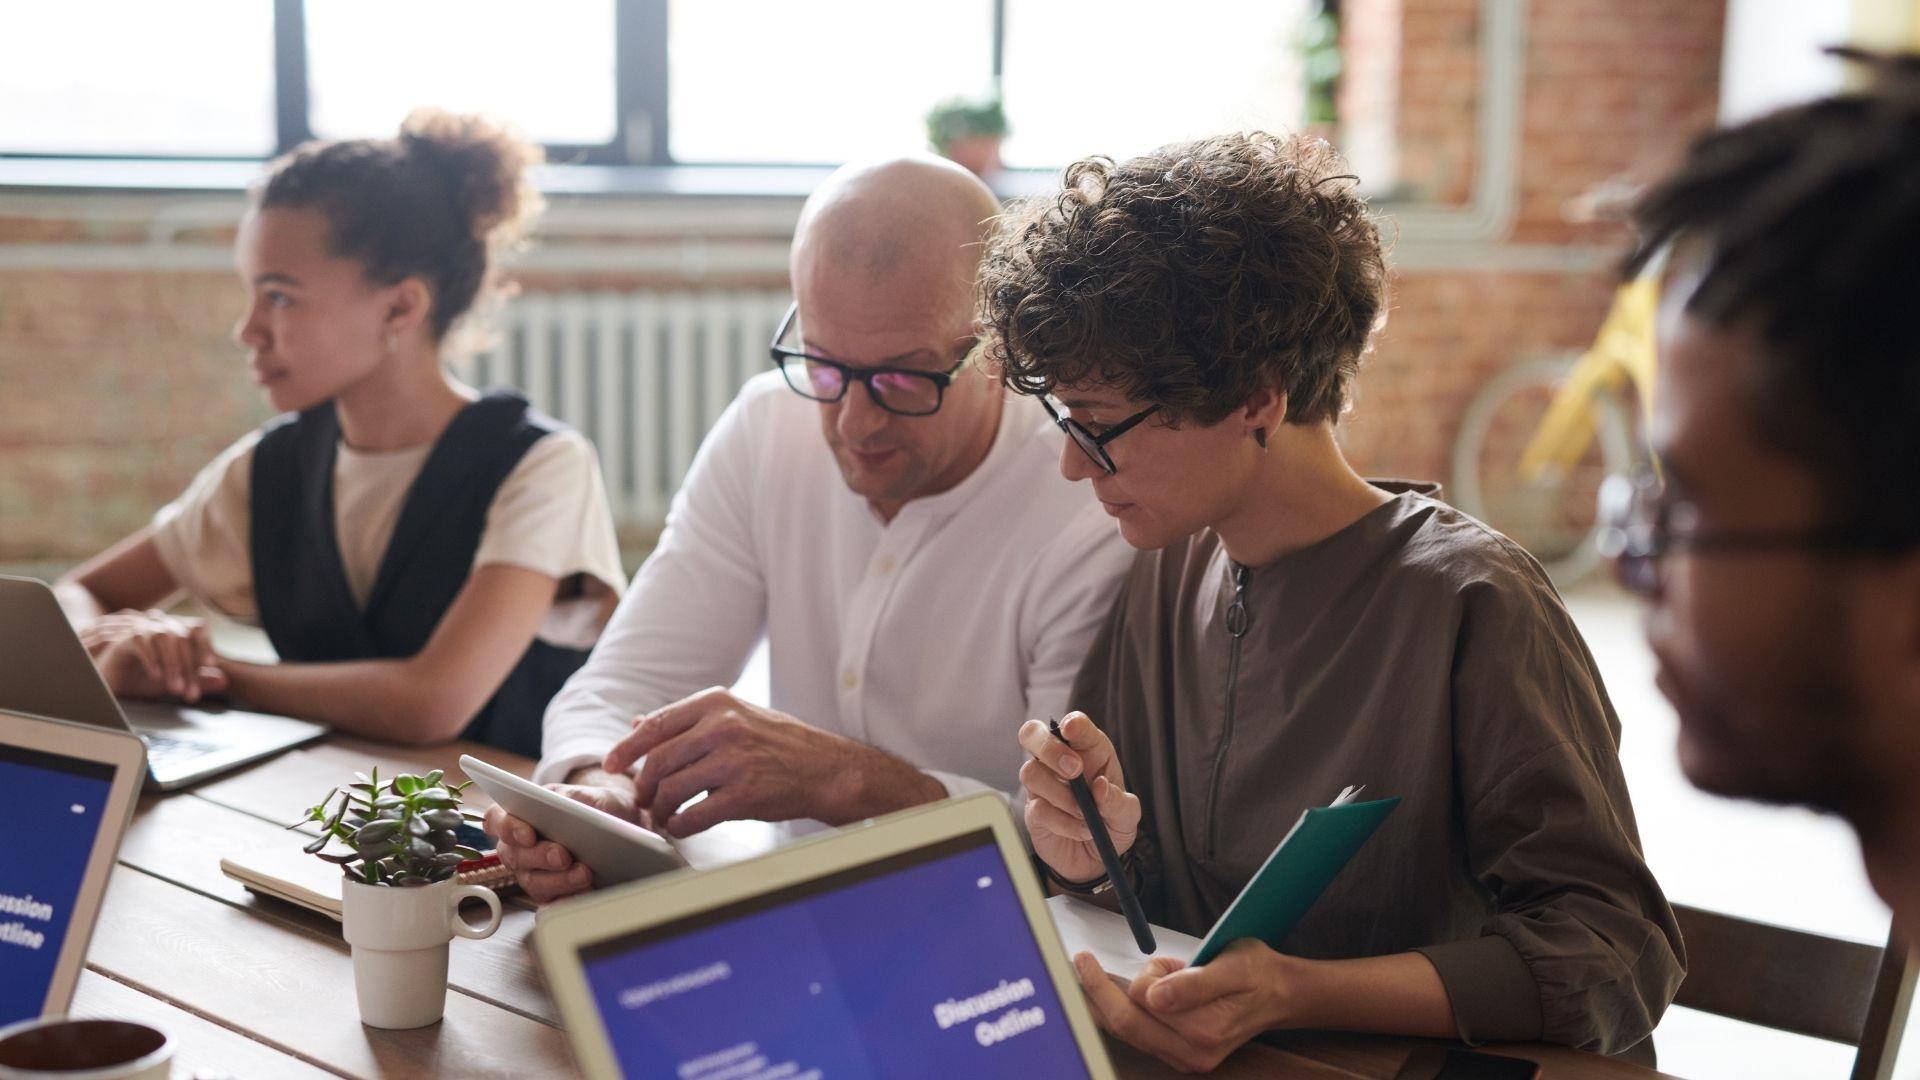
<point>53,807</point>
<point>923,962</point>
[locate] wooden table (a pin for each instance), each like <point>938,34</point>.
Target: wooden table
<point>256,988</point>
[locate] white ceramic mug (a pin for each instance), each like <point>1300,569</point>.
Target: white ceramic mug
<point>399,937</point>
<point>60,1048</point>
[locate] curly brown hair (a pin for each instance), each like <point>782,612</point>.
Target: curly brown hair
<point>443,201</point>
<point>1190,277</point>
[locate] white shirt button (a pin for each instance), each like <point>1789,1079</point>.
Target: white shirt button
<point>848,679</point>
<point>886,565</point>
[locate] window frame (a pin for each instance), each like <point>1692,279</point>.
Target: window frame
<point>642,136</point>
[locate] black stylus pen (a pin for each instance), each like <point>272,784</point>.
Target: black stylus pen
<point>1116,874</point>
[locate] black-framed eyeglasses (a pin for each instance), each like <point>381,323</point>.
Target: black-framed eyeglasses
<point>1095,446</point>
<point>1640,524</point>
<point>901,391</point>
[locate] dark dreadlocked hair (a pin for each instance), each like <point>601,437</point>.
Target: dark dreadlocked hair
<point>1807,223</point>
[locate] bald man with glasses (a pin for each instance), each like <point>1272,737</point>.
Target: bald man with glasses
<point>886,515</point>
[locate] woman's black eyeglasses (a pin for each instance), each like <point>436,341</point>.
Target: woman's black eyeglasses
<point>1096,445</point>
<point>902,391</point>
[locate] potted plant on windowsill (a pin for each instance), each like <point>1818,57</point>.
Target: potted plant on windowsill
<point>400,903</point>
<point>969,131</point>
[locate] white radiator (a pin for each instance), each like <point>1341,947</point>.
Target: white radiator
<point>642,374</point>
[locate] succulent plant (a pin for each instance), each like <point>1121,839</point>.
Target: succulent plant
<point>398,833</point>
<point>962,117</point>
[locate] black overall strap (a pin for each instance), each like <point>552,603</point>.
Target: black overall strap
<point>301,584</point>
<point>299,581</point>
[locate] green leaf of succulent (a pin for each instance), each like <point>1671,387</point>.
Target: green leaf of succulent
<point>399,832</point>
<point>375,833</point>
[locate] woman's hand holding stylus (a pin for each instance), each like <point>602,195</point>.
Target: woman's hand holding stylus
<point>1054,823</point>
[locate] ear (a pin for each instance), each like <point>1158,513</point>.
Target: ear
<point>1265,411</point>
<point>409,303</point>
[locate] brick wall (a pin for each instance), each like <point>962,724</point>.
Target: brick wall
<point>114,388</point>
<point>1611,88</point>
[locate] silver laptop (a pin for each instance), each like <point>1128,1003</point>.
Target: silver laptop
<point>913,945</point>
<point>45,671</point>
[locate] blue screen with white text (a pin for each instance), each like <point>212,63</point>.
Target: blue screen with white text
<point>51,810</point>
<point>920,965</point>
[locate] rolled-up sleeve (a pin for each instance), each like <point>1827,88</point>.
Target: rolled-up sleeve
<point>1583,949</point>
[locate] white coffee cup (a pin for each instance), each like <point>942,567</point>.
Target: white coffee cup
<point>399,937</point>
<point>60,1048</point>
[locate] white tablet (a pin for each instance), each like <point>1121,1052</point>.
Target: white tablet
<point>66,794</point>
<point>616,851</point>
<point>913,945</point>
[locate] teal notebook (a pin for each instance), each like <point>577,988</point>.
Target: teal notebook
<point>1298,871</point>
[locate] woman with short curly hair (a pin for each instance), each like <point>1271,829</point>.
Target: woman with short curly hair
<point>1194,319</point>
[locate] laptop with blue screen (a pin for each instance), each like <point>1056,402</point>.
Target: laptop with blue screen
<point>913,945</point>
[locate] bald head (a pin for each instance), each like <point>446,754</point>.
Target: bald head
<point>910,229</point>
<point>884,261</point>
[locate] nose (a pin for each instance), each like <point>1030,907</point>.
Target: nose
<point>1074,462</point>
<point>859,417</point>
<point>250,332</point>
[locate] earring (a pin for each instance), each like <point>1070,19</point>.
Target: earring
<point>1260,436</point>
<point>393,343</point>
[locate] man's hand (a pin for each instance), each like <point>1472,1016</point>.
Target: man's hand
<point>757,764</point>
<point>1192,1018</point>
<point>545,869</point>
<point>1054,823</point>
<point>151,654</point>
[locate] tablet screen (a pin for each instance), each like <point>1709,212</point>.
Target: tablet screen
<point>920,964</point>
<point>52,807</point>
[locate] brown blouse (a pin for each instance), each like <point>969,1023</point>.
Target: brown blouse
<point>1423,655</point>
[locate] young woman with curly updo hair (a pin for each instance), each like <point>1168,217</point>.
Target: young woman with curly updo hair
<point>429,562</point>
<point>1194,319</point>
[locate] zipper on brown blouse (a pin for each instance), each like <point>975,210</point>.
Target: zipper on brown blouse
<point>1237,620</point>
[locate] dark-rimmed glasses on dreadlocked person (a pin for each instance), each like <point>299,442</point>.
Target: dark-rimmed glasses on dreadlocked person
<point>1640,523</point>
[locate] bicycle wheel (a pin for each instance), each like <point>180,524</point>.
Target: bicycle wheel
<point>1552,516</point>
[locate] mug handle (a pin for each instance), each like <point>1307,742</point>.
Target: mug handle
<point>486,896</point>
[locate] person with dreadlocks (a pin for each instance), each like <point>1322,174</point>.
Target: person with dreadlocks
<point>1779,549</point>
<point>1194,318</point>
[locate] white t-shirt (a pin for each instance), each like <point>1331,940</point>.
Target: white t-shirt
<point>550,515</point>
<point>932,637</point>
